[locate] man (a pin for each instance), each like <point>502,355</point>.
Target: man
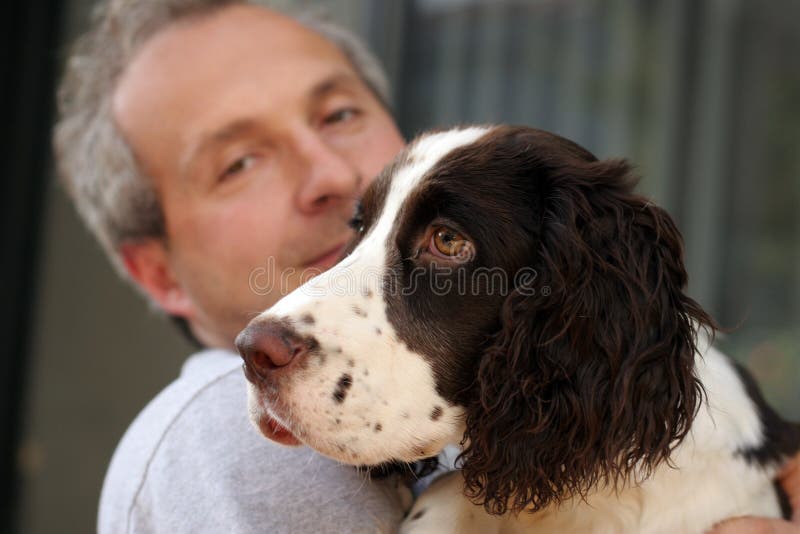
<point>204,141</point>
<point>250,138</point>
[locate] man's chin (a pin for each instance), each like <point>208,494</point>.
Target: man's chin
<point>273,430</point>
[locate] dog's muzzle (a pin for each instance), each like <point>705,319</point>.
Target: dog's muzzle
<point>269,347</point>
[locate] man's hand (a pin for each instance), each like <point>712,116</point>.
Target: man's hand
<point>790,480</point>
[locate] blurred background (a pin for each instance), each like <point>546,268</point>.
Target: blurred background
<point>702,95</point>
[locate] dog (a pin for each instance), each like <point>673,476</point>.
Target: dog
<point>509,292</point>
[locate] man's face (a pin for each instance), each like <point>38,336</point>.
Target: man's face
<point>259,136</point>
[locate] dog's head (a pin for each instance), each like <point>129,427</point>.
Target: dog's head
<point>505,290</point>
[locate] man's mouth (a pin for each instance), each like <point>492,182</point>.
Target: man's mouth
<point>275,431</point>
<point>327,259</point>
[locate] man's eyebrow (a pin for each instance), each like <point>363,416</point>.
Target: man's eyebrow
<point>340,80</point>
<point>232,130</point>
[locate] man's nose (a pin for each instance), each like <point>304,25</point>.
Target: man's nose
<point>330,175</point>
<point>269,345</point>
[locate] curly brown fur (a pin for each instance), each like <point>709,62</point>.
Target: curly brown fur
<point>592,383</point>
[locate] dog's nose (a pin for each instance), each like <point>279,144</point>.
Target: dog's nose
<point>269,345</point>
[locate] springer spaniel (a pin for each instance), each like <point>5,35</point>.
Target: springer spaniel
<point>509,292</point>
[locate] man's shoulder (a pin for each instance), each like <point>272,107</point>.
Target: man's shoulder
<point>191,461</point>
<point>152,432</point>
<point>208,373</point>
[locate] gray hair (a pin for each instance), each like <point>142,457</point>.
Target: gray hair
<point>116,200</point>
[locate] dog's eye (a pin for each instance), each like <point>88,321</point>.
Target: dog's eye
<point>448,243</point>
<point>356,222</point>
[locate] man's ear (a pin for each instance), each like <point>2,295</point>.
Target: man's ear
<point>148,264</point>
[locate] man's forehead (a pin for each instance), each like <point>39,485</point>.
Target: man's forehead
<point>203,48</point>
<point>200,74</point>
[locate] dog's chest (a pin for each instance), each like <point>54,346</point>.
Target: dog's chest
<point>710,481</point>
<point>670,501</point>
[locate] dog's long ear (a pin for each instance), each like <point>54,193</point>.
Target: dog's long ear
<point>589,380</point>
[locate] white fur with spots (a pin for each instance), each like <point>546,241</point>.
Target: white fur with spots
<point>390,409</point>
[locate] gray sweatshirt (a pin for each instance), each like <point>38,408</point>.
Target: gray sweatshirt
<point>191,462</point>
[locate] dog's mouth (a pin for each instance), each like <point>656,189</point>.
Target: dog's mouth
<point>275,431</point>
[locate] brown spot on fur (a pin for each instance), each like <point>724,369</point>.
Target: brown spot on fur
<point>358,311</point>
<point>307,318</point>
<point>342,386</point>
<point>436,413</point>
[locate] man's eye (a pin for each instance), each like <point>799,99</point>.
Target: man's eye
<point>341,115</point>
<point>238,166</point>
